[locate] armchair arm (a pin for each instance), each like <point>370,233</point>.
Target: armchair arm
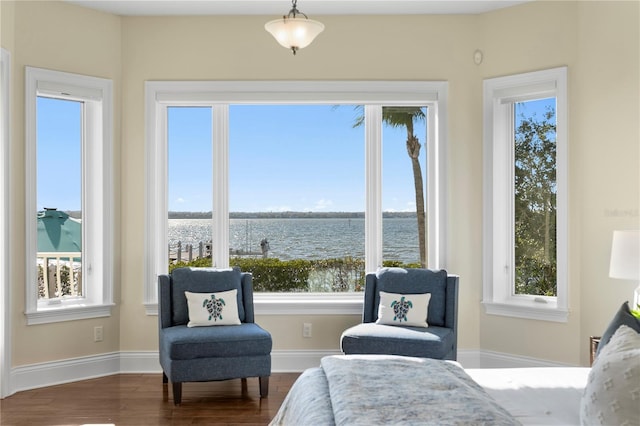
<point>247,296</point>
<point>164,301</point>
<point>370,310</point>
<point>451,313</point>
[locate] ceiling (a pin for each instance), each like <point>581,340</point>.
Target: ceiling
<point>280,7</point>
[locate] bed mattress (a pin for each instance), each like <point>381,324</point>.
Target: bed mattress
<point>536,396</point>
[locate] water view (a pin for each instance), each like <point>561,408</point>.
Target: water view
<point>304,238</point>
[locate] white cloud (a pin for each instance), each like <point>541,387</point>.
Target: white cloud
<point>180,200</point>
<point>410,206</point>
<point>323,204</point>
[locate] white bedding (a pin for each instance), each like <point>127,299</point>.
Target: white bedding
<point>536,396</point>
<point>388,390</point>
<point>532,396</point>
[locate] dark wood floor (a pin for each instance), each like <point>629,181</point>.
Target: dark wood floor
<point>141,399</point>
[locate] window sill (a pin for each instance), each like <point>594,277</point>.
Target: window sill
<point>299,304</point>
<point>528,310</point>
<point>308,303</point>
<point>61,313</point>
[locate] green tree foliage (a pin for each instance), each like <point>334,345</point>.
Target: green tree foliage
<point>299,275</point>
<point>535,204</point>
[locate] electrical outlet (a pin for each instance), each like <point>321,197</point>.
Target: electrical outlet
<point>306,329</point>
<point>98,334</point>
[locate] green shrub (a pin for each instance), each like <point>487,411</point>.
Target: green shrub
<point>400,264</point>
<point>273,275</point>
<point>338,275</point>
<point>204,262</point>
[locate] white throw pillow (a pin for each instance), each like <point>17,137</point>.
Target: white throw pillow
<point>403,309</point>
<point>219,308</point>
<point>612,394</point>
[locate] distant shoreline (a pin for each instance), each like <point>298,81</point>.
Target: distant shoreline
<point>274,215</point>
<point>288,215</point>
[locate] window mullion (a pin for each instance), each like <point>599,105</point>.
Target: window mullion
<point>436,193</point>
<point>503,202</point>
<point>509,199</point>
<point>220,161</point>
<point>373,184</point>
<point>31,220</point>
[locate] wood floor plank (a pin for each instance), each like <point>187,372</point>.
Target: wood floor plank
<point>142,399</point>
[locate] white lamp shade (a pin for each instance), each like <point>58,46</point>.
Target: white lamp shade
<point>625,255</point>
<point>294,32</point>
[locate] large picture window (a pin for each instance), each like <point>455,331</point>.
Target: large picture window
<point>68,201</point>
<point>525,210</point>
<point>296,185</point>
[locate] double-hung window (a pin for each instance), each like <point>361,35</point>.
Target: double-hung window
<point>294,171</point>
<point>525,195</point>
<point>69,196</point>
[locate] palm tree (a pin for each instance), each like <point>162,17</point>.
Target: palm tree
<point>406,117</point>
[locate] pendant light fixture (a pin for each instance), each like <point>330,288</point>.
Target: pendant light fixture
<point>295,30</point>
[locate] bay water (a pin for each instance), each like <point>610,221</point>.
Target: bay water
<point>304,238</point>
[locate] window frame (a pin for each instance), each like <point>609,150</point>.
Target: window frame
<point>219,95</point>
<point>500,94</point>
<point>97,194</point>
<point>5,235</point>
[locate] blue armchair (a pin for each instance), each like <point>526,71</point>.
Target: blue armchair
<point>215,352</point>
<point>439,340</point>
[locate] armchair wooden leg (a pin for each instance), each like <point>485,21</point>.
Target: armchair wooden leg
<point>177,393</point>
<point>165,379</point>
<point>264,386</point>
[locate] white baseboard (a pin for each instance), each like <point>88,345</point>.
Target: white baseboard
<point>298,360</point>
<point>142,362</point>
<point>282,361</point>
<point>63,371</point>
<point>490,359</point>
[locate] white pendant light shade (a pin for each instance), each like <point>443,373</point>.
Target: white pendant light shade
<point>294,31</point>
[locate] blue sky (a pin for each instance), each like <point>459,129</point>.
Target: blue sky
<point>282,158</point>
<point>59,154</point>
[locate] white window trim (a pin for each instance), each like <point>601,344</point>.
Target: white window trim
<point>498,257</point>
<point>161,94</point>
<point>5,252</point>
<point>97,187</point>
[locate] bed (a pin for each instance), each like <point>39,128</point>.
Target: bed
<point>536,396</point>
<point>396,390</point>
<point>387,389</point>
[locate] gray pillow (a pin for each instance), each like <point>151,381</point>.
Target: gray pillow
<point>610,396</point>
<point>622,317</point>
